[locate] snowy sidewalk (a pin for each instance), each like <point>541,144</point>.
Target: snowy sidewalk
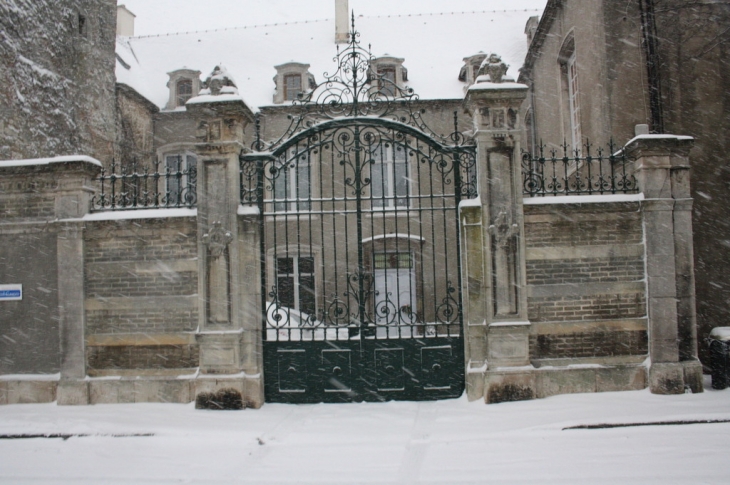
<point>446,442</point>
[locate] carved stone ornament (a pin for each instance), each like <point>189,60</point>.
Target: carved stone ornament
<point>217,239</point>
<point>494,66</point>
<point>503,230</point>
<point>220,82</point>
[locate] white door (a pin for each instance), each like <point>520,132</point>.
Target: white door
<point>395,295</point>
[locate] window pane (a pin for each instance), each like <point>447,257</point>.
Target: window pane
<point>379,180</point>
<point>404,260</point>
<point>399,153</point>
<point>401,184</point>
<point>306,265</point>
<point>173,165</point>
<point>387,81</point>
<point>280,184</point>
<point>292,86</point>
<point>303,184</point>
<point>184,91</point>
<point>284,266</point>
<point>306,294</point>
<point>285,291</point>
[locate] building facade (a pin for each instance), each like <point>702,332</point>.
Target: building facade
<point>604,68</point>
<point>334,236</point>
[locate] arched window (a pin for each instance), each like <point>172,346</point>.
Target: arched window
<point>571,91</point>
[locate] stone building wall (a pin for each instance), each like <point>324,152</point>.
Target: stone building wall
<point>694,60</point>
<point>693,82</point>
<point>611,72</point>
<point>57,78</point>
<point>135,127</point>
<point>586,279</point>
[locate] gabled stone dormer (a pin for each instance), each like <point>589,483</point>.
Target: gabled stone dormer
<point>184,84</point>
<point>387,74</point>
<point>470,69</point>
<point>292,79</point>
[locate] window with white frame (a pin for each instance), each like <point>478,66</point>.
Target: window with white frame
<point>180,176</point>
<point>570,91</point>
<point>389,176</point>
<point>573,102</point>
<point>292,184</point>
<point>295,282</point>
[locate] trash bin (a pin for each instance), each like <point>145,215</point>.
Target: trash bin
<point>719,342</point>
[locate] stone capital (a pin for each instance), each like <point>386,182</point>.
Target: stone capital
<point>645,146</point>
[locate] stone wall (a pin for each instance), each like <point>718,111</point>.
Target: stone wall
<point>586,282</point>
<point>57,78</point>
<point>135,128</point>
<point>141,286</point>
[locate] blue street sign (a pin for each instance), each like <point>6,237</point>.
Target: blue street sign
<point>11,292</point>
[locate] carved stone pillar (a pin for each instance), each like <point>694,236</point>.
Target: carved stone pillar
<point>222,118</point>
<point>662,169</point>
<point>495,109</point>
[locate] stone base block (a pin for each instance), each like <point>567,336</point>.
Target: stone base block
<point>253,391</point>
<point>219,353</point>
<point>505,385</point>
<point>693,376</point>
<point>510,386</point>
<point>666,378</point>
<point>27,392</point>
<point>140,390</point>
<point>72,393</point>
<point>475,385</point>
<point>621,378</point>
<point>565,381</point>
<point>250,387</point>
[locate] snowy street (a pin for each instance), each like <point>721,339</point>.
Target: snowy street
<point>445,442</point>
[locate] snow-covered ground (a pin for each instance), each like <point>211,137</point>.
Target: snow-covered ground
<point>446,442</point>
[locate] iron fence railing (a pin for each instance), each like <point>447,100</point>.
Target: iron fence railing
<point>567,171</point>
<point>134,187</point>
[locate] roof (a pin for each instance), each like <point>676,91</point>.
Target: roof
<point>433,46</point>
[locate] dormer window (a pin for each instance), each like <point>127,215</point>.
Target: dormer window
<point>184,84</point>
<point>184,88</point>
<point>387,75</point>
<point>292,79</point>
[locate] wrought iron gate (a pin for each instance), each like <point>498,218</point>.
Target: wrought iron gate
<point>361,277</point>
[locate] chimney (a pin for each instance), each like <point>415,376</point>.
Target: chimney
<point>342,24</point>
<point>125,21</point>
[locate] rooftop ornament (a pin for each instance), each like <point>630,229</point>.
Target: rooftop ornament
<point>219,82</point>
<point>493,70</point>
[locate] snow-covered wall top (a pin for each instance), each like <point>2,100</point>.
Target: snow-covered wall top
<point>433,46</point>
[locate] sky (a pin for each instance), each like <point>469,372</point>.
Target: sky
<point>166,16</point>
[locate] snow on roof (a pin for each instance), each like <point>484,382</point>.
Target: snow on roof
<point>433,46</point>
